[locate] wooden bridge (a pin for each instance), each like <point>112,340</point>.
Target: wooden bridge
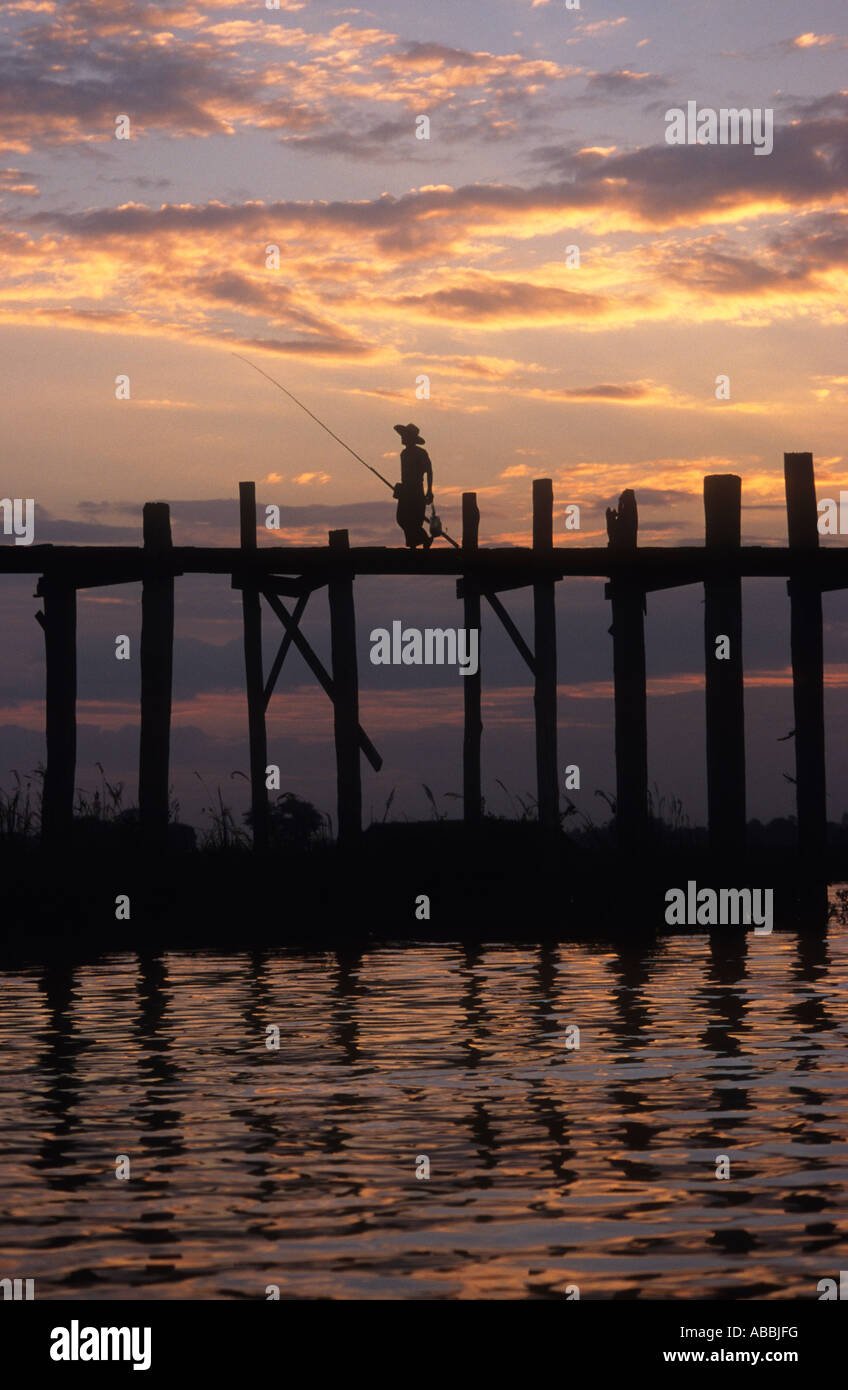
<point>278,572</point>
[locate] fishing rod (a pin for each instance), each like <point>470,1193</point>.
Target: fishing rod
<point>438,530</point>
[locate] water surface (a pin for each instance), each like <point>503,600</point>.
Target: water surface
<point>549,1166</point>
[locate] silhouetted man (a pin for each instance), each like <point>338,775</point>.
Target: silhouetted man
<point>412,499</point>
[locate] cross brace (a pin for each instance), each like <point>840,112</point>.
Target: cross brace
<point>465,587</point>
<point>294,636</point>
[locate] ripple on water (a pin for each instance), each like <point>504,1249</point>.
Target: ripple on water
<point>549,1166</point>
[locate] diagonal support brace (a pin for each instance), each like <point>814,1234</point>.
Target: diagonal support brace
<point>277,667</point>
<point>518,640</point>
<point>321,675</point>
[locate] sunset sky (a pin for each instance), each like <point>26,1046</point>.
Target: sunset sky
<point>296,127</point>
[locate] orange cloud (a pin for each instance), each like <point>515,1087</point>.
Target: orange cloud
<point>811,40</point>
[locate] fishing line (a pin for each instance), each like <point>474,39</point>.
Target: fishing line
<point>280,387</point>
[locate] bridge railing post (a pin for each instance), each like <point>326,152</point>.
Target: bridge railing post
<point>251,605</point>
<point>807,642</point>
<point>157,660</point>
<point>59,621</point>
<point>631,704</point>
<point>545,652</point>
<point>345,695</point>
<point>724,675</point>
<point>471,685</point>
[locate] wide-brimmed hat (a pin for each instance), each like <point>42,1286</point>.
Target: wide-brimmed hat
<point>409,434</point>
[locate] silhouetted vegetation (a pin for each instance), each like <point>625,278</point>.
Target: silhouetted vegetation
<point>506,879</point>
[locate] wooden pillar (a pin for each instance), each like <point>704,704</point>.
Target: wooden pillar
<point>724,677</point>
<point>251,605</point>
<point>157,659</point>
<point>631,704</point>
<point>59,621</point>
<point>807,676</point>
<point>345,693</point>
<point>472,685</point>
<point>545,694</point>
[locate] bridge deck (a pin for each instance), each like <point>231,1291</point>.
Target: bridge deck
<point>652,566</point>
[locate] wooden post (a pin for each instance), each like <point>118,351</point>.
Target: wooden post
<point>807,678</point>
<point>472,685</point>
<point>345,696</point>
<point>251,605</point>
<point>724,677</point>
<point>59,622</point>
<point>545,694</point>
<point>157,659</point>
<point>631,704</point>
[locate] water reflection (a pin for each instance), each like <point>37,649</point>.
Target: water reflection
<point>158,1120</point>
<point>346,991</point>
<point>550,1165</point>
<point>56,1064</point>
